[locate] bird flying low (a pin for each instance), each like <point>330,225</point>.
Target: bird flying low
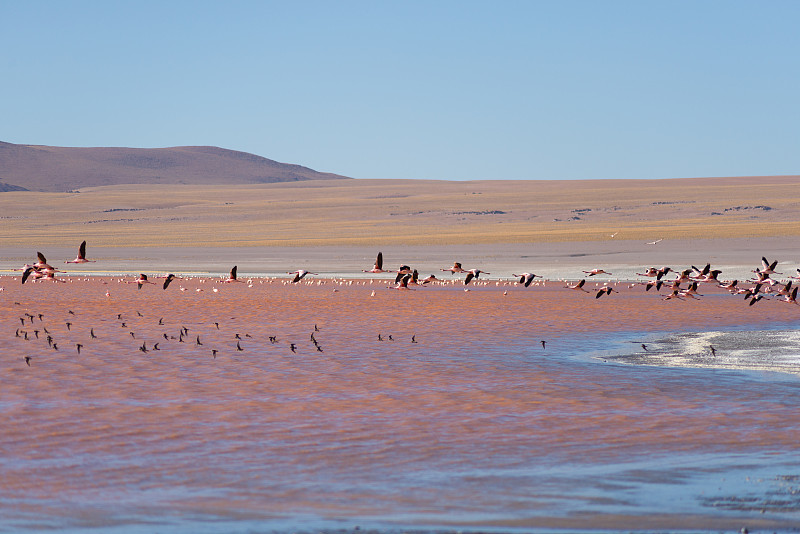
<point>299,275</point>
<point>378,267</point>
<point>525,278</point>
<point>473,273</point>
<point>81,258</point>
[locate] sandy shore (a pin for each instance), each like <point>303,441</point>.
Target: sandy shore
<point>623,258</point>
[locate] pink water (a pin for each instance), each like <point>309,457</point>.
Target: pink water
<point>474,426</point>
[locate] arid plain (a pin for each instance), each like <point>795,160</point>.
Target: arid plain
<point>518,224</point>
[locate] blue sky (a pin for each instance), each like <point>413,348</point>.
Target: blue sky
<point>454,90</point>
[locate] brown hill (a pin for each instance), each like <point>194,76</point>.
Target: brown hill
<point>58,169</point>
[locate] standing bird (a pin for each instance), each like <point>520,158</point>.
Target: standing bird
<point>81,258</point>
<point>525,278</point>
<point>544,343</point>
<point>299,275</point>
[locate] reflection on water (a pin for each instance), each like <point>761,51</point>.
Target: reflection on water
<point>473,425</point>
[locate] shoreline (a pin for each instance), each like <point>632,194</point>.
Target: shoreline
<point>556,261</point>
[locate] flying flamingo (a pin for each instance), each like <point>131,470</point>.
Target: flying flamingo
<point>81,255</point>
<point>378,268</point>
<point>403,283</point>
<point>232,276</point>
<point>456,268</point>
<point>473,273</point>
<point>596,271</point>
<point>142,280</point>
<point>525,278</point>
<point>578,286</point>
<point>300,274</point>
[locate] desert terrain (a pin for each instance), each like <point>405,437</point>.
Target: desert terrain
<point>338,225</point>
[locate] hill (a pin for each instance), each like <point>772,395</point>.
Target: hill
<point>59,169</point>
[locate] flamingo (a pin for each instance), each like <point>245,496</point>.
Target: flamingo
<point>456,268</point>
<point>378,268</point>
<point>525,278</point>
<point>578,286</point>
<point>142,280</point>
<point>605,290</point>
<point>170,278</point>
<point>403,283</point>
<point>473,273</point>
<point>232,276</point>
<point>81,258</point>
<point>300,274</point>
<point>768,268</point>
<point>431,278</point>
<point>595,272</point>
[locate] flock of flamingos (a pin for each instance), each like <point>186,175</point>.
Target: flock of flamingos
<point>684,286</point>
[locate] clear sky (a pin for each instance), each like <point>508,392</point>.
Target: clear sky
<point>417,89</point>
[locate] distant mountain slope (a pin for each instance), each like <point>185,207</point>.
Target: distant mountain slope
<point>48,168</point>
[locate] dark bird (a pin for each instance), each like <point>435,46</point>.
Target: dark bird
<point>232,276</point>
<point>132,335</point>
<point>35,333</point>
<point>143,348</point>
<point>293,347</point>
<point>214,353</point>
<point>299,275</point>
<point>27,360</point>
<point>644,347</point>
<point>69,326</point>
<point>198,340</point>
<point>239,347</point>
<point>414,338</point>
<point>78,346</point>
<point>713,350</point>
<point>380,338</point>
<point>155,347</point>
<point>525,278</point>
<point>161,322</point>
<point>605,290</point>
<point>544,343</point>
<point>170,278</point>
<point>473,273</point>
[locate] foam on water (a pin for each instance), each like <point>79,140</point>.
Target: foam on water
<point>754,350</point>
